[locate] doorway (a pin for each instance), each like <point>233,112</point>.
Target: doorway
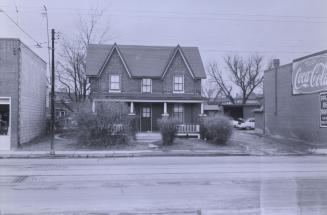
<point>5,126</point>
<point>146,118</point>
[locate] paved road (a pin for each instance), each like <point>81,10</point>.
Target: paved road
<point>165,185</point>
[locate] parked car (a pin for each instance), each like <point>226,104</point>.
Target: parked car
<point>248,124</point>
<point>238,122</point>
<point>234,123</point>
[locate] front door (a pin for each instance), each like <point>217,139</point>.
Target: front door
<point>146,115</point>
<point>4,124</point>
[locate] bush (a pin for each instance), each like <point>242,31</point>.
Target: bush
<point>133,123</point>
<point>110,125</point>
<point>217,129</point>
<point>168,129</point>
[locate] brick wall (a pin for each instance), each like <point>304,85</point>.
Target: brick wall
<point>115,66</point>
<point>9,66</point>
<point>297,115</point>
<point>32,95</point>
<point>178,67</point>
<point>259,121</point>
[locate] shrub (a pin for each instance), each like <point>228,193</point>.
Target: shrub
<point>217,129</point>
<point>168,129</point>
<point>110,125</point>
<point>133,125</point>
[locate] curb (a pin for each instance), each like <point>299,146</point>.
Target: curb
<point>69,155</point>
<point>119,155</point>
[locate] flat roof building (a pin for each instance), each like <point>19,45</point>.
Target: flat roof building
<point>295,98</point>
<point>23,87</point>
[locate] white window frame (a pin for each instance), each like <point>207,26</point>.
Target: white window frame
<point>150,85</point>
<point>115,90</point>
<point>183,84</point>
<point>146,112</point>
<point>180,112</point>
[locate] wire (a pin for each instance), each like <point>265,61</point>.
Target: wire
<point>38,44</point>
<point>254,51</point>
<point>180,12</point>
<point>198,15</point>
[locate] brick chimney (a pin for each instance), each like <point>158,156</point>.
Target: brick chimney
<point>276,63</point>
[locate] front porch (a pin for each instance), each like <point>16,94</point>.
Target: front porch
<point>147,113</point>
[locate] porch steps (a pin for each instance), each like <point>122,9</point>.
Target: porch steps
<point>148,137</point>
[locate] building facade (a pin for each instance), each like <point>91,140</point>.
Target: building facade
<point>22,94</point>
<point>239,110</point>
<point>154,81</point>
<point>295,98</point>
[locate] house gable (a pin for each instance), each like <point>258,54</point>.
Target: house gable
<point>178,66</point>
<point>178,51</point>
<point>115,65</point>
<point>114,49</point>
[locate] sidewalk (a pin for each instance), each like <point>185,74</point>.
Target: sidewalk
<point>108,154</point>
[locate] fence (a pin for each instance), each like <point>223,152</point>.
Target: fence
<point>188,130</point>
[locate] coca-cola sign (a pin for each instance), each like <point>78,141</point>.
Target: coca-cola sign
<point>310,75</point>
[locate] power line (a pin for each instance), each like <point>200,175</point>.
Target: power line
<point>198,15</point>
<point>180,12</point>
<point>38,44</point>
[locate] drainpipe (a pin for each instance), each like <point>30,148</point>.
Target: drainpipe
<point>276,65</point>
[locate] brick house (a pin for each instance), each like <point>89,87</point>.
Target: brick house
<point>22,94</point>
<point>154,81</point>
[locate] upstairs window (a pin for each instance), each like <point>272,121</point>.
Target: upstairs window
<point>114,82</point>
<point>178,84</point>
<point>146,85</point>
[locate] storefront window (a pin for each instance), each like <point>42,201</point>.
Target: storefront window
<point>4,119</point>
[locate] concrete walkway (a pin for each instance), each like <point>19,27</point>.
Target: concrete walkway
<point>129,153</point>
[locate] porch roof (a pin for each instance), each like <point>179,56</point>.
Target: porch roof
<point>148,97</point>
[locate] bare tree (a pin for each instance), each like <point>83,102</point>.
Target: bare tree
<point>246,75</point>
<point>216,76</point>
<point>71,68</point>
<point>211,93</point>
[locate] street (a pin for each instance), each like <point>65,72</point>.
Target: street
<point>165,185</point>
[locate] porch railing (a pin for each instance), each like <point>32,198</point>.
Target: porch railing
<point>117,128</point>
<point>188,130</point>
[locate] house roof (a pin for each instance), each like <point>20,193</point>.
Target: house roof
<point>143,61</point>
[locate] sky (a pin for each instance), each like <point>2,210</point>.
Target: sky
<point>284,29</point>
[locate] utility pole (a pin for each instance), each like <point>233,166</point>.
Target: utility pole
<point>52,152</point>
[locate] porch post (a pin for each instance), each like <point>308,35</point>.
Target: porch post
<point>165,113</point>
<point>132,109</point>
<point>93,106</point>
<point>202,110</point>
